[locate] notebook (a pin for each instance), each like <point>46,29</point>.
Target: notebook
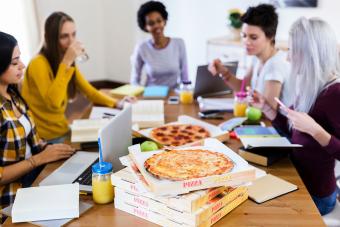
<point>222,104</point>
<point>127,90</point>
<point>262,156</point>
<point>86,130</point>
<point>256,131</point>
<point>103,112</point>
<point>156,92</point>
<point>269,187</point>
<point>46,203</point>
<point>148,113</point>
<point>267,142</point>
<point>83,207</point>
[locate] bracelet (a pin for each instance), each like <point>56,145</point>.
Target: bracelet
<point>32,162</point>
<point>224,77</point>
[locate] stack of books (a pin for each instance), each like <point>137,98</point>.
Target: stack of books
<point>148,113</point>
<point>263,145</point>
<point>127,90</point>
<point>86,130</point>
<point>198,208</point>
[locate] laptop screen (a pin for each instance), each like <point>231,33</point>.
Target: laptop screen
<point>207,84</point>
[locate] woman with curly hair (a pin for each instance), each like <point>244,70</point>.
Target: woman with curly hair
<point>163,58</point>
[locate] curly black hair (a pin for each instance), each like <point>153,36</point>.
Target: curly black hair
<point>265,17</point>
<point>149,7</point>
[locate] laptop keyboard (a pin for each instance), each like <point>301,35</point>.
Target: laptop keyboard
<point>86,177</point>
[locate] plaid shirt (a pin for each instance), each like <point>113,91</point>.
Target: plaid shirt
<point>13,143</point>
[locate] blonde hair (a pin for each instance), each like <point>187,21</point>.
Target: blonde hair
<point>314,60</point>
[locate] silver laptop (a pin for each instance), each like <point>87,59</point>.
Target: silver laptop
<point>115,139</point>
<point>209,85</point>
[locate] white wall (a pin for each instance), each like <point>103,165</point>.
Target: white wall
<point>109,31</point>
<point>18,18</point>
<point>198,20</point>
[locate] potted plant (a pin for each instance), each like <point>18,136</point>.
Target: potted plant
<point>234,24</point>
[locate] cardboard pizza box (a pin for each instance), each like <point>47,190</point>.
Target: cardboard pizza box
<point>192,219</point>
<point>159,219</point>
<point>124,180</point>
<point>241,172</point>
<point>215,131</point>
<point>224,211</point>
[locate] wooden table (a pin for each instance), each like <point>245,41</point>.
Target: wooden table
<point>293,209</point>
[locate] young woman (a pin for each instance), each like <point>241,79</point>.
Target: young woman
<point>20,149</point>
<point>163,58</point>
<point>270,70</point>
<point>314,119</point>
<point>52,78</point>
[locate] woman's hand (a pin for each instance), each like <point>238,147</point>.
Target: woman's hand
<point>306,124</point>
<point>259,101</point>
<point>128,99</point>
<point>73,51</point>
<point>53,153</point>
<point>216,67</point>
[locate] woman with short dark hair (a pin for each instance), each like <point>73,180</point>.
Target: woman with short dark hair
<point>163,58</point>
<point>21,149</point>
<point>270,70</point>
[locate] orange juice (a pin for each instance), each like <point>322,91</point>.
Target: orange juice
<point>102,189</point>
<point>186,97</point>
<point>240,104</point>
<point>240,109</point>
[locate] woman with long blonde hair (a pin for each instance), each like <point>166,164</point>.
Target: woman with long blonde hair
<point>313,120</point>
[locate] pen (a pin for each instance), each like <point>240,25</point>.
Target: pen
<point>109,114</point>
<point>84,193</point>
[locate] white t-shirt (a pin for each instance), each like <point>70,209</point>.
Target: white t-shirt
<point>276,68</point>
<point>27,126</point>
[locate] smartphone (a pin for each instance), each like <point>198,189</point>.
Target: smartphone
<point>280,103</point>
<point>173,100</point>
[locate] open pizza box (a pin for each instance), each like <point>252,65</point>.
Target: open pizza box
<point>215,131</point>
<point>241,172</point>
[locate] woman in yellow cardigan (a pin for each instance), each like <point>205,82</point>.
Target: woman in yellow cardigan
<point>52,78</point>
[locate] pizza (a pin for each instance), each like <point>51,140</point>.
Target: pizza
<point>179,134</point>
<point>188,164</point>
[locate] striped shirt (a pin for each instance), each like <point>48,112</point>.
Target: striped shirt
<point>167,66</point>
<point>13,141</point>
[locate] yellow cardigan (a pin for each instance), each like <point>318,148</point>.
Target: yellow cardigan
<point>47,99</point>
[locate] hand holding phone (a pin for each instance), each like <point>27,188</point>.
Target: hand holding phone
<point>283,106</point>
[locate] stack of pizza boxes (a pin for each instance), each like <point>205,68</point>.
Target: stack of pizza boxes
<point>193,202</point>
<point>198,208</point>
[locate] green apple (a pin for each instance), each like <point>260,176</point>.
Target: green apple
<point>253,114</point>
<point>148,146</point>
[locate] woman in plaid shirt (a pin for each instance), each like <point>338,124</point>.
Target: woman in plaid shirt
<point>21,151</point>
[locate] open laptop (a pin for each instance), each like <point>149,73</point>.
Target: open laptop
<point>209,85</point>
<point>115,139</point>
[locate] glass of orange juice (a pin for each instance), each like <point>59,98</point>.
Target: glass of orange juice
<point>240,104</point>
<point>102,189</point>
<point>186,95</point>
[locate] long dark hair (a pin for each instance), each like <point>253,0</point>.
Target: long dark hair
<point>51,48</point>
<point>7,45</point>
